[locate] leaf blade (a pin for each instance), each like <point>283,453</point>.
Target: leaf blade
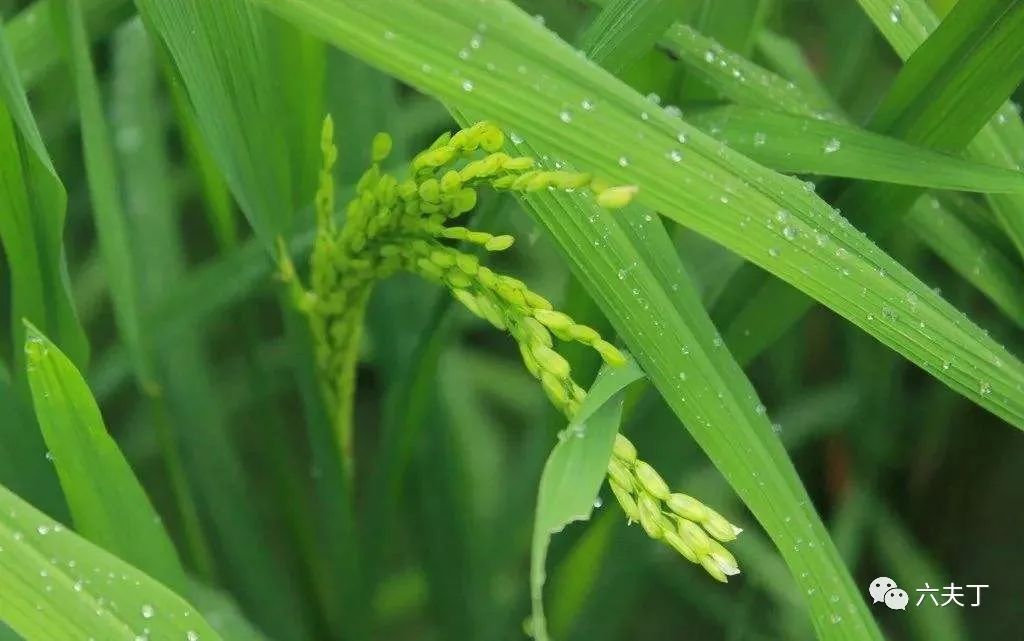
<point>51,591</point>
<point>107,502</point>
<point>796,145</point>
<point>574,472</point>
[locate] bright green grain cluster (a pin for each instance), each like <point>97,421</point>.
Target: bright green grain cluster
<point>690,527</point>
<point>406,225</point>
<point>392,225</point>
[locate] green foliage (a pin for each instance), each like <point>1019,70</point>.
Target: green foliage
<point>573,473</point>
<point>291,408</point>
<point>60,586</point>
<point>33,201</point>
<point>108,505</point>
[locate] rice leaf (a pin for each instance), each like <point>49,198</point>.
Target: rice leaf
<point>625,29</point>
<point>104,191</point>
<point>222,51</point>
<point>574,473</point>
<point>792,144</point>
<point>906,26</point>
<point>33,200</point>
<point>107,503</point>
<point>57,586</point>
<point>970,254</point>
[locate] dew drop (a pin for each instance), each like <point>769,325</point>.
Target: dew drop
<point>832,145</point>
<point>895,14</point>
<point>565,116</point>
<point>760,138</point>
<point>587,105</point>
<point>675,155</point>
<point>790,233</point>
<point>191,636</point>
<point>623,161</point>
<point>467,85</point>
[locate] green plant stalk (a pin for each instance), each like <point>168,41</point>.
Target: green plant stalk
<point>344,393</point>
<point>199,552</point>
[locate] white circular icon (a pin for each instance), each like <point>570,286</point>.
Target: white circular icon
<point>896,599</point>
<point>879,587</point>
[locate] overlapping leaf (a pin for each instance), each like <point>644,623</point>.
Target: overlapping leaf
<point>58,586</point>
<point>574,473</point>
<point>33,201</point>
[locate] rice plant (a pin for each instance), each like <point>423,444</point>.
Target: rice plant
<point>500,319</point>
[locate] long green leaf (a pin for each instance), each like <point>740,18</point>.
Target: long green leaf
<point>1001,141</point>
<point>115,244</point>
<point>222,52</point>
<point>941,226</point>
<point>107,503</point>
<point>574,473</point>
<point>984,266</point>
<point>625,29</point>
<point>791,144</point>
<point>739,79</point>
<point>55,586</point>
<point>109,506</point>
<point>33,201</point>
<point>763,315</point>
<point>958,78</point>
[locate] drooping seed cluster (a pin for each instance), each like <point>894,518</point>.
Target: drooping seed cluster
<point>396,225</point>
<point>393,225</point>
<point>690,527</point>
